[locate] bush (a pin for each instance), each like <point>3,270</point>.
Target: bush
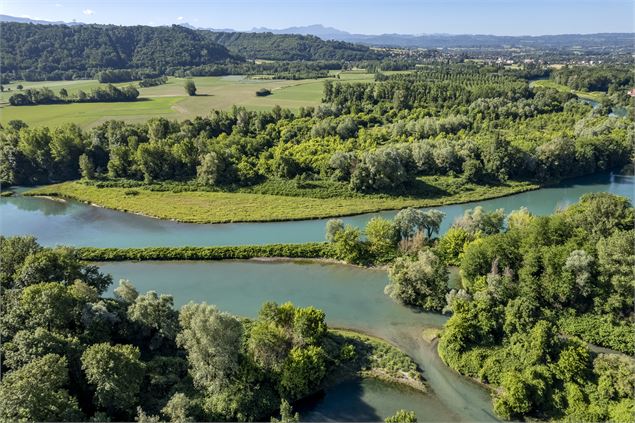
<point>263,92</point>
<point>308,250</point>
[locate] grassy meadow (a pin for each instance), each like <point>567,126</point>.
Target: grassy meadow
<point>588,95</point>
<point>169,100</point>
<point>256,206</point>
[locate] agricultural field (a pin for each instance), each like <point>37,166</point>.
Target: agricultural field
<point>169,100</point>
<point>588,95</point>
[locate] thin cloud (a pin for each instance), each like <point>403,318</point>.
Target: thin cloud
<point>58,5</point>
<point>180,18</point>
<point>88,12</point>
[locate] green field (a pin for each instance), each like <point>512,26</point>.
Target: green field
<point>223,207</point>
<point>169,100</point>
<point>589,95</point>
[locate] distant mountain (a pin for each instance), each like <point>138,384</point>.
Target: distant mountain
<point>7,18</point>
<point>324,32</point>
<point>614,40</point>
<point>460,40</point>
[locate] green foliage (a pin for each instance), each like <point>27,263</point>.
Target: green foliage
<point>116,373</point>
<point>382,236</point>
<point>304,368</point>
<point>38,392</point>
<point>307,250</point>
<point>421,282</point>
<point>550,285</point>
<point>212,340</point>
<point>190,87</point>
<point>602,331</point>
<point>402,416</point>
<point>452,244</point>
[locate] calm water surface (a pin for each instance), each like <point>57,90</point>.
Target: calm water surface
<point>351,297</point>
<point>73,223</point>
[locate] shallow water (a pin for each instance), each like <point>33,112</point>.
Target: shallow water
<point>351,297</point>
<point>73,223</point>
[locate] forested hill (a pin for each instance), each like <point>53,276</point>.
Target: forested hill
<point>291,47</point>
<point>56,51</point>
<point>47,48</point>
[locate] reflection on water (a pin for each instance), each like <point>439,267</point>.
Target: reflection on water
<point>351,297</point>
<point>78,224</point>
<point>370,400</point>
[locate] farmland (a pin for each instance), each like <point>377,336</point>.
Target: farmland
<point>169,100</point>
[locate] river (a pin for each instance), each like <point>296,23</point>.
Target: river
<point>351,297</point>
<point>78,224</point>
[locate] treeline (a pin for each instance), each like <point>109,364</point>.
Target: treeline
<point>71,354</point>
<point>109,93</point>
<point>307,250</point>
<point>60,52</point>
<point>374,146</point>
<point>270,46</point>
<point>38,52</point>
<point>608,79</point>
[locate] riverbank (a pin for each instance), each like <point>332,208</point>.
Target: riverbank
<point>309,250</point>
<point>364,356</point>
<point>234,207</point>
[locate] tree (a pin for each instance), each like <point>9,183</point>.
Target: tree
<point>63,93</point>
<point>179,409</point>
<point>402,416</point>
<point>421,282</point>
<point>29,345</point>
<point>286,414</point>
<point>211,170</point>
<point>513,399</point>
<point>19,86</point>
<point>478,220</point>
<point>86,167</point>
<point>382,235</point>
<point>156,317</point>
<point>116,373</point>
<point>451,245</point>
<point>304,369</point>
<point>126,292</point>
<point>190,87</point>
<point>333,227</point>
<point>37,392</point>
<point>48,305</point>
<point>213,341</point>
<point>348,245</point>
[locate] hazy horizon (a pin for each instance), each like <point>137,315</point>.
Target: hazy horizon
<point>372,17</point>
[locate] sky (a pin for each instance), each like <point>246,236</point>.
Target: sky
<point>499,17</point>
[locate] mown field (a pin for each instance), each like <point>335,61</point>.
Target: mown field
<point>169,100</point>
<point>589,95</point>
<point>224,207</point>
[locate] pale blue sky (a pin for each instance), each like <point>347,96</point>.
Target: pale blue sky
<point>501,17</point>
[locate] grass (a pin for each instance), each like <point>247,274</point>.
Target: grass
<point>169,100</point>
<point>590,95</point>
<point>224,207</point>
<point>357,354</point>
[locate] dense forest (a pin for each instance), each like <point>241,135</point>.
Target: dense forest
<point>56,52</point>
<point>538,296</point>
<point>69,353</point>
<point>291,47</point>
<point>480,125</point>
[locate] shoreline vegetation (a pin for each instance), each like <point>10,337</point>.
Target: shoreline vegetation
<point>240,207</point>
<point>379,360</point>
<point>311,250</point>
